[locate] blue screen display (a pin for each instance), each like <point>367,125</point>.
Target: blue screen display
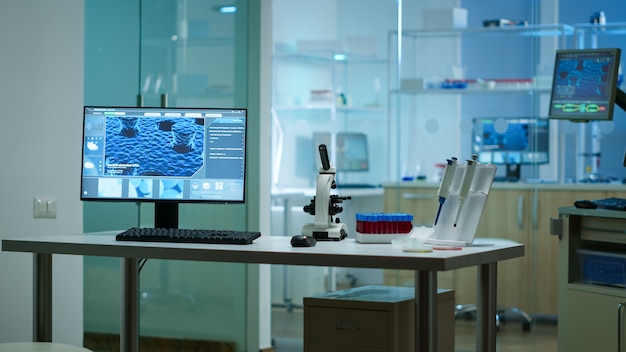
<point>164,154</point>
<point>511,140</point>
<point>584,84</point>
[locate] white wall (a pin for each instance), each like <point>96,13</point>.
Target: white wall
<point>41,97</point>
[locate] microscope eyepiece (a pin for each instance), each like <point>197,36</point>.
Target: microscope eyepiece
<point>324,156</point>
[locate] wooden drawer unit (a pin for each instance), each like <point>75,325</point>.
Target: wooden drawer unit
<point>371,319</point>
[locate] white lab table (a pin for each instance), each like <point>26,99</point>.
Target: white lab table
<point>271,250</point>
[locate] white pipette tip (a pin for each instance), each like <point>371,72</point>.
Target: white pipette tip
<point>458,213</point>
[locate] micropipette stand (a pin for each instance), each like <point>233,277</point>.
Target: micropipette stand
<point>464,204</point>
<point>324,205</point>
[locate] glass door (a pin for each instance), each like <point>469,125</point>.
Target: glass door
<point>176,53</point>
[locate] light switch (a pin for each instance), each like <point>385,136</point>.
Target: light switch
<point>44,207</point>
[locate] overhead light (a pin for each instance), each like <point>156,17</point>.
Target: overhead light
<point>225,8</point>
<point>340,57</point>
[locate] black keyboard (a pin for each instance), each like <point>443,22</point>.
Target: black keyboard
<point>611,203</point>
<point>187,236</point>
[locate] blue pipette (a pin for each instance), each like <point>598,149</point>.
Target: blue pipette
<point>444,186</point>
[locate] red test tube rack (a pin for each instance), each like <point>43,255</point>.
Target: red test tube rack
<point>384,223</point>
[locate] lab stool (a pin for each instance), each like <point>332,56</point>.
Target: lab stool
<point>39,347</point>
<point>501,312</point>
<point>462,309</point>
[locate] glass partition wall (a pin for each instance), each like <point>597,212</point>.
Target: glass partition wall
<point>465,88</point>
<point>329,86</point>
<point>446,75</point>
<point>415,79</point>
<point>465,84</point>
<point>177,53</point>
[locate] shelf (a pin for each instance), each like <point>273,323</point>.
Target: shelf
<point>177,42</point>
<point>209,94</point>
<point>529,31</point>
<point>330,57</point>
<point>470,91</point>
<point>611,28</point>
<point>344,109</point>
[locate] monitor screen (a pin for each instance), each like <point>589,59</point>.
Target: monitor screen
<point>511,140</point>
<point>348,150</point>
<point>164,154</point>
<point>351,153</point>
<point>584,84</point>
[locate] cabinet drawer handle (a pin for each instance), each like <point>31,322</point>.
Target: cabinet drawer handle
<point>620,308</point>
<point>520,212</point>
<point>340,326</point>
<point>535,215</point>
<point>417,196</point>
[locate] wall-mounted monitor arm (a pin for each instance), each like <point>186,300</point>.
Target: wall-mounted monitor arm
<point>620,99</point>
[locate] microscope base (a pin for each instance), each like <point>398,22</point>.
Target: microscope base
<point>335,232</point>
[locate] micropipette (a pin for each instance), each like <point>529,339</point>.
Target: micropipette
<point>446,182</point>
<point>466,183</point>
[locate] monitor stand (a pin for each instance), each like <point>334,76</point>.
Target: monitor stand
<point>166,215</point>
<point>513,172</point>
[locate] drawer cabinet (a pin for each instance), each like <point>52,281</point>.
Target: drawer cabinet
<point>515,211</point>
<point>591,242</point>
<point>371,319</point>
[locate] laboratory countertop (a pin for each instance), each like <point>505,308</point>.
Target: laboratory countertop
<point>310,192</point>
<point>599,213</point>
<point>548,186</point>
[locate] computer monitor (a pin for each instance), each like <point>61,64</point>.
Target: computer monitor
<point>515,141</point>
<point>164,155</point>
<point>351,151</point>
<point>584,85</point>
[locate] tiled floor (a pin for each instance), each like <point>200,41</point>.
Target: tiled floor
<point>287,331</point>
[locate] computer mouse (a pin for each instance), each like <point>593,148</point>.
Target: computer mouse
<point>585,204</point>
<point>303,241</point>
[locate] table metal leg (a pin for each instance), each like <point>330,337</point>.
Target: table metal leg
<point>486,310</point>
<point>287,298</point>
<point>129,334</point>
<point>42,297</point>
<point>426,311</point>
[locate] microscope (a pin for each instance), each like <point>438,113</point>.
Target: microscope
<point>324,205</point>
